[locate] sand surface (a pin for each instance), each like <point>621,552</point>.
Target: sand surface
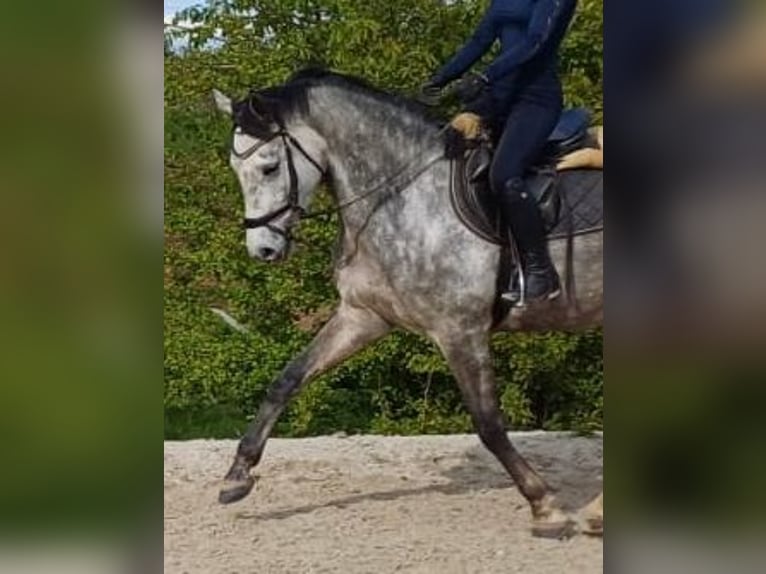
<point>369,504</point>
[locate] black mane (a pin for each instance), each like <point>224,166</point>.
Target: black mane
<point>262,110</point>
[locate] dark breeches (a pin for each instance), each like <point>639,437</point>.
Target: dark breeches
<point>531,120</point>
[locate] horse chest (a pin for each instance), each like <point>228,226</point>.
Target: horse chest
<point>363,284</point>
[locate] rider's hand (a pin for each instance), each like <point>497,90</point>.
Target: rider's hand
<point>469,88</point>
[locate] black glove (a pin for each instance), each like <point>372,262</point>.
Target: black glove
<point>430,93</point>
<point>471,87</point>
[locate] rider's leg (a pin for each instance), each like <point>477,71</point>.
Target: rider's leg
<point>523,216</point>
<point>526,131</point>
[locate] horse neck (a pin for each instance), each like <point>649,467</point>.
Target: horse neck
<point>369,143</point>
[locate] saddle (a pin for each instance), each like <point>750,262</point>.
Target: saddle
<point>570,201</point>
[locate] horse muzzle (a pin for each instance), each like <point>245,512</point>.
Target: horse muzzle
<point>267,246</point>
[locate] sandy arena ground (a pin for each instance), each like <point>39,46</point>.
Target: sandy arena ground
<point>368,504</point>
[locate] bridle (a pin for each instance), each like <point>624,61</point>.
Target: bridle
<point>293,199</point>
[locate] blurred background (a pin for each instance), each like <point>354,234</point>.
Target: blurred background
<point>685,283</point>
<point>80,287</point>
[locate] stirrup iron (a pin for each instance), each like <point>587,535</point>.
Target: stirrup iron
<point>517,299</point>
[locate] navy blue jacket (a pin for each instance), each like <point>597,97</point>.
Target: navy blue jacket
<point>529,31</point>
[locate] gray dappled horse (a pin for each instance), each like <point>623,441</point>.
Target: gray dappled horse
<point>406,259</point>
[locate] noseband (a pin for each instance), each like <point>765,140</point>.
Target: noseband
<point>292,204</point>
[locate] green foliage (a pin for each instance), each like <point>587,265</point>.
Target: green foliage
<point>215,376</point>
<point>582,58</point>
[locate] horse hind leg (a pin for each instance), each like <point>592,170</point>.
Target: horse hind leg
<point>348,331</point>
<point>471,363</point>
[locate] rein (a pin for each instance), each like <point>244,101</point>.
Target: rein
<point>375,189</point>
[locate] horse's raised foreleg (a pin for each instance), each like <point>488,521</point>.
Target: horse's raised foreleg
<point>349,330</point>
<point>470,360</point>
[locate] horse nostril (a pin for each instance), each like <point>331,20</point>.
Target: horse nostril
<point>267,253</point>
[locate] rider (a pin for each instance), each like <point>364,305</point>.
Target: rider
<point>519,98</point>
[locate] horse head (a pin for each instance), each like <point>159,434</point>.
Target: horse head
<point>279,162</point>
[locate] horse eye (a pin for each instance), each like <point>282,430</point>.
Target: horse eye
<point>271,169</point>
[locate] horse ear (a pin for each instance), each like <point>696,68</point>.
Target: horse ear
<point>262,107</point>
<point>223,102</point>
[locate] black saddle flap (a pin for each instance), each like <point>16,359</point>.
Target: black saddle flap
<point>542,186</point>
<point>472,198</point>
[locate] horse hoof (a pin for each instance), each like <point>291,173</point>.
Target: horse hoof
<point>555,530</point>
<point>235,490</point>
<point>592,517</point>
<point>593,526</point>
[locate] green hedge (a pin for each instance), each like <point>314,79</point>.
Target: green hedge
<point>215,376</point>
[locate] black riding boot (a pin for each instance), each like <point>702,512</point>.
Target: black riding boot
<point>523,217</point>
